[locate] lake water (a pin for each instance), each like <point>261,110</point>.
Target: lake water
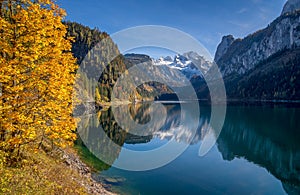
<point>257,152</point>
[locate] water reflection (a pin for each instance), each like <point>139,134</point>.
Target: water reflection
<point>265,136</point>
<point>105,133</point>
<point>268,137</point>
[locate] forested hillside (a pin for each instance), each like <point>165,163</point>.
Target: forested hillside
<point>101,63</point>
<point>276,78</point>
<point>96,52</point>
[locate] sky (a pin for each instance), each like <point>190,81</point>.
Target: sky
<point>205,20</point>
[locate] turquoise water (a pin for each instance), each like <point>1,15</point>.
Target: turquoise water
<point>257,152</point>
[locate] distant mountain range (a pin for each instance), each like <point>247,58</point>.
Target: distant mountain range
<point>186,63</point>
<point>179,71</point>
<point>264,65</point>
<point>190,64</point>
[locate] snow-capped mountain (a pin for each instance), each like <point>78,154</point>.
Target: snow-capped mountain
<point>190,64</point>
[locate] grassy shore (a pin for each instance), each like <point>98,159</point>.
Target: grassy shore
<point>57,172</point>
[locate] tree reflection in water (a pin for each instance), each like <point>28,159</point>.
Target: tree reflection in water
<point>267,137</point>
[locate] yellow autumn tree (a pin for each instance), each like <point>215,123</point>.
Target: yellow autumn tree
<point>37,74</point>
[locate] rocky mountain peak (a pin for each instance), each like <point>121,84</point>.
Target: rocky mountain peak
<point>290,6</point>
<point>244,54</point>
<point>223,46</point>
<point>180,59</point>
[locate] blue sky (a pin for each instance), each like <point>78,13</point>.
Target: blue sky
<point>205,20</point>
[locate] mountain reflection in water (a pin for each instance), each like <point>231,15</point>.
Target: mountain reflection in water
<point>267,136</point>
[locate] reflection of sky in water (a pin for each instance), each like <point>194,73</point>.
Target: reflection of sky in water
<point>258,152</point>
<point>192,174</point>
<point>172,129</point>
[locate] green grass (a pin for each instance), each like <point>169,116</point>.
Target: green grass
<point>41,173</point>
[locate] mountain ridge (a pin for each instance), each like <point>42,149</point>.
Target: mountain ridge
<point>262,66</point>
<point>243,54</point>
<point>265,64</point>
<point>290,6</point>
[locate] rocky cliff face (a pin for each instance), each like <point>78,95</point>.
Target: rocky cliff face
<point>243,55</point>
<point>290,6</point>
<point>223,46</point>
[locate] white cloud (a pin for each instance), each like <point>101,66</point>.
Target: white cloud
<point>241,11</point>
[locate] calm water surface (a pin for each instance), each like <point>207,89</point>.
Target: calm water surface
<point>258,151</point>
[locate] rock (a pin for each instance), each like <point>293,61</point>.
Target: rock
<point>75,163</point>
<point>244,54</point>
<point>223,46</point>
<point>290,6</point>
<point>93,187</point>
<point>114,180</point>
<point>86,108</point>
<point>137,58</point>
<point>168,58</point>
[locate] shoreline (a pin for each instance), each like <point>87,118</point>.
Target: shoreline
<point>232,101</point>
<point>254,102</point>
<point>71,159</point>
<point>117,103</point>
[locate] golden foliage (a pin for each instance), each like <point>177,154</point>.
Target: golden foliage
<point>37,74</point>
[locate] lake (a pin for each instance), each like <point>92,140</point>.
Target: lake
<point>257,152</point>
